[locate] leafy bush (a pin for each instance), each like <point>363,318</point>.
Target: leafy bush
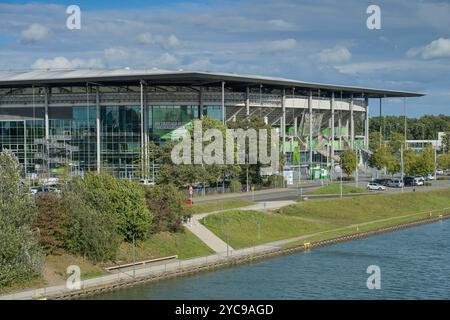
<point>126,200</point>
<point>166,202</point>
<point>20,254</point>
<point>50,222</point>
<point>235,186</point>
<point>91,230</point>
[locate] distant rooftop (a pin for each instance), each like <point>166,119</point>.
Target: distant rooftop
<point>126,76</point>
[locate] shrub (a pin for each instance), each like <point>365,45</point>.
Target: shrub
<point>166,202</point>
<point>20,254</point>
<point>91,230</point>
<point>126,200</point>
<point>235,186</point>
<point>50,222</point>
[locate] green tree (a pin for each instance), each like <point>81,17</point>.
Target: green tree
<point>126,200</point>
<point>396,141</point>
<point>20,253</point>
<point>424,164</point>
<point>50,222</point>
<point>91,229</point>
<point>379,157</point>
<point>166,201</point>
<point>443,161</point>
<point>446,142</point>
<point>409,161</point>
<point>349,161</point>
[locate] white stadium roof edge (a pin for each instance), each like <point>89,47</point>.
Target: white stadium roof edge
<point>127,76</point>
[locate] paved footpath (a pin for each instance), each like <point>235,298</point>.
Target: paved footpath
<point>213,241</point>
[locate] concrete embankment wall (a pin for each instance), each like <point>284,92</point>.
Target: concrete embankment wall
<point>231,261</point>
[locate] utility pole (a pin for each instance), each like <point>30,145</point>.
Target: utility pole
<point>401,164</point>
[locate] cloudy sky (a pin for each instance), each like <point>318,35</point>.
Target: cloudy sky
<point>310,40</point>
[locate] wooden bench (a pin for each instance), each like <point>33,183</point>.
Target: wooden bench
<point>121,266</point>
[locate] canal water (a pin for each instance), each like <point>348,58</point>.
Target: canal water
<point>414,264</point>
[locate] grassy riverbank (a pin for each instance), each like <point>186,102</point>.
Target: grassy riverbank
<point>325,218</point>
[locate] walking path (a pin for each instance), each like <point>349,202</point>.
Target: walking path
<point>213,241</point>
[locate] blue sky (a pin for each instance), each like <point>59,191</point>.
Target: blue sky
<point>310,40</point>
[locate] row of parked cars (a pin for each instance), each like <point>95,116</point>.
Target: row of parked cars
<point>381,184</point>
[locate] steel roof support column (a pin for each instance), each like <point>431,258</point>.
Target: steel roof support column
<point>200,103</point>
<point>46,120</point>
<point>310,120</point>
<point>283,124</point>
<point>247,101</point>
<point>332,102</point>
<point>352,124</point>
<point>142,131</point>
<point>223,102</point>
<point>146,140</point>
<point>97,128</point>
<point>366,127</point>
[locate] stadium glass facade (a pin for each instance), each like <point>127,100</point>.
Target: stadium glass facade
<point>103,120</point>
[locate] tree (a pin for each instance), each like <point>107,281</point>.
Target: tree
<point>392,164</point>
<point>443,161</point>
<point>349,160</point>
<point>20,253</point>
<point>379,156</point>
<point>409,161</point>
<point>126,200</point>
<point>446,142</point>
<point>167,204</point>
<point>50,222</point>
<point>254,170</point>
<point>425,162</point>
<point>396,141</point>
<point>91,229</point>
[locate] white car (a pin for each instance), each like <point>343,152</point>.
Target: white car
<point>440,172</point>
<point>418,181</point>
<point>375,186</point>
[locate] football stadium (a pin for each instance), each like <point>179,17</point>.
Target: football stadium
<point>92,120</point>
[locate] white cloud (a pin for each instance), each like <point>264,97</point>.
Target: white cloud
<point>439,48</point>
<point>116,54</point>
<point>168,59</point>
<point>280,45</point>
<point>163,41</point>
<point>34,33</point>
<point>337,54</point>
<point>64,63</point>
<point>280,24</point>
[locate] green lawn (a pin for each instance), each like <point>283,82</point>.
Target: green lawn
<point>346,211</point>
<point>220,205</point>
<point>184,244</point>
<point>336,189</point>
<point>241,227</point>
<point>308,217</point>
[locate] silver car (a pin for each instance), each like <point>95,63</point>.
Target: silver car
<point>375,186</point>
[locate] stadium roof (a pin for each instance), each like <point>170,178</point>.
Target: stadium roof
<point>76,77</point>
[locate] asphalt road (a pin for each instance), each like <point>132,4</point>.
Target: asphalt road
<point>292,193</point>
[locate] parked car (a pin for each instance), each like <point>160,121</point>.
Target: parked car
<point>408,181</point>
<point>375,186</point>
<point>147,182</point>
<point>440,172</point>
<point>395,183</point>
<point>383,182</point>
<point>418,181</point>
<point>47,189</point>
<point>429,177</point>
